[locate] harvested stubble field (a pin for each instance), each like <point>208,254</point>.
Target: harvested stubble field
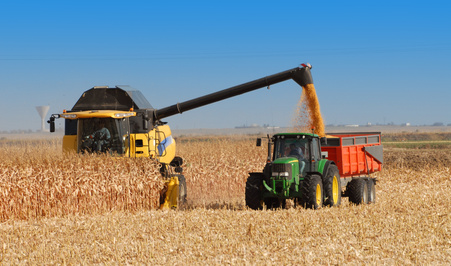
<point>103,211</point>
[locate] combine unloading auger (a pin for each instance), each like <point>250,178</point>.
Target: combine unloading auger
<point>300,75</point>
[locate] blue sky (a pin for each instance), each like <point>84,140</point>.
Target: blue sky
<point>378,62</point>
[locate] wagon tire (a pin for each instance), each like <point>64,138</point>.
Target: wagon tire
<point>357,191</point>
<point>371,191</point>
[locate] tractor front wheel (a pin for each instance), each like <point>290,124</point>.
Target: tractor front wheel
<point>253,194</point>
<point>275,203</point>
<point>312,192</point>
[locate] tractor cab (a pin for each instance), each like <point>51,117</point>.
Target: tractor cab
<point>299,148</point>
<point>290,147</point>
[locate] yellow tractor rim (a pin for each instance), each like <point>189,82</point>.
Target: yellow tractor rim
<point>335,189</point>
<point>318,195</point>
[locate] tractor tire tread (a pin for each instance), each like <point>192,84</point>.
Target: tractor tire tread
<point>328,186</point>
<point>308,191</point>
<point>371,191</point>
<point>356,189</point>
<point>253,193</point>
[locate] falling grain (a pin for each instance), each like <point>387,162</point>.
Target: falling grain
<point>308,114</point>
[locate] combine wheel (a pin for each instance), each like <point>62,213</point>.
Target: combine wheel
<point>332,187</point>
<point>371,191</point>
<point>182,191</point>
<point>253,193</point>
<point>357,191</point>
<point>312,192</point>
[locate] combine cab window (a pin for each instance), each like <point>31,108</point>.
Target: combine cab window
<point>103,135</point>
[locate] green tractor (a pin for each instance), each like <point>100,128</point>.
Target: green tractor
<point>295,170</point>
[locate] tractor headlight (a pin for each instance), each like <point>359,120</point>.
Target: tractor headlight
<point>280,174</point>
<point>285,174</point>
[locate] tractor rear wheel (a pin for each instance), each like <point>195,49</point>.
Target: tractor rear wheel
<point>253,194</point>
<point>312,192</point>
<point>371,191</point>
<point>357,190</point>
<point>332,187</point>
<point>182,191</point>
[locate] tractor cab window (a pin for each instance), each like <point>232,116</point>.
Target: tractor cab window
<point>316,154</point>
<point>291,147</point>
<point>103,135</point>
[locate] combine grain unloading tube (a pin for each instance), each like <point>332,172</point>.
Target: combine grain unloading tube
<point>300,75</point>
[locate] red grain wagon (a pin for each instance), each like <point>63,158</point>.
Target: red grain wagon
<point>357,156</point>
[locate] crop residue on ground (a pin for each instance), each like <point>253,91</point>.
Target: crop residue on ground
<point>409,224</point>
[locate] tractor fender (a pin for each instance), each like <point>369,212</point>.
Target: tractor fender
<point>314,173</point>
<point>325,167</point>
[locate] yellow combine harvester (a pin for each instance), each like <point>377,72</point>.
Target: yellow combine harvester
<point>121,122</point>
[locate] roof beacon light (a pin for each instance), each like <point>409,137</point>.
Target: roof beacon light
<point>307,65</point>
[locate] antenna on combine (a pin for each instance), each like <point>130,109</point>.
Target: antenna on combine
<point>42,110</point>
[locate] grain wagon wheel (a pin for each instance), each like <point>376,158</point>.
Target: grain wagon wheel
<point>371,191</point>
<point>358,191</point>
<point>253,194</point>
<point>182,191</point>
<point>332,187</point>
<point>312,192</point>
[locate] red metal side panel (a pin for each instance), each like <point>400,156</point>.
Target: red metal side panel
<point>346,160</point>
<point>334,154</point>
<point>374,165</point>
<point>352,160</point>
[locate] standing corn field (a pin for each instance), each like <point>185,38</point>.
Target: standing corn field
<point>36,181</point>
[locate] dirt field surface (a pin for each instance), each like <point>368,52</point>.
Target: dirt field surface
<point>410,223</point>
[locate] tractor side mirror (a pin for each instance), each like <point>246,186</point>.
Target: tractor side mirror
<point>259,142</point>
<point>323,141</point>
<point>52,123</point>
